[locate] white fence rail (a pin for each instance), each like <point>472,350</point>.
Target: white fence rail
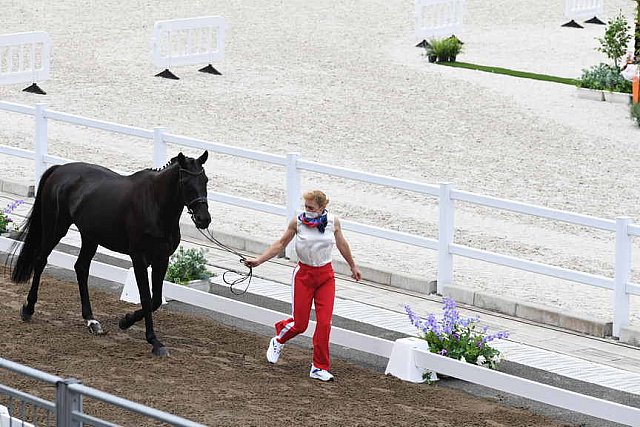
<point>583,9</point>
<point>368,344</point>
<point>189,41</point>
<point>67,409</point>
<point>622,227</point>
<point>25,57</point>
<point>438,18</point>
<point>539,392</point>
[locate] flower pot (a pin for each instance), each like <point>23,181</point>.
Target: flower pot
<point>402,364</point>
<point>593,94</point>
<point>618,97</point>
<point>201,285</point>
<point>13,234</point>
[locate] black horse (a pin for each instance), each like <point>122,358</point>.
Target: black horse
<point>136,215</point>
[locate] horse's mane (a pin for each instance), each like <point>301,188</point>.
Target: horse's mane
<point>169,163</point>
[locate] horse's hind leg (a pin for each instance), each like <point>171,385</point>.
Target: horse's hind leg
<point>49,241</point>
<point>87,251</point>
<point>39,262</point>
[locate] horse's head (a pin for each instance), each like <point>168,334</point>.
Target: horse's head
<point>193,187</point>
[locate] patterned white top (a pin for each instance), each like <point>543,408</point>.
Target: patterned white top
<point>312,247</point>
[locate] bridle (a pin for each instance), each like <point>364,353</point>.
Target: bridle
<point>198,199</point>
<point>209,237</point>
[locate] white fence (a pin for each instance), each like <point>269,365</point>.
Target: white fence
<point>583,9</point>
<point>438,18</point>
<point>24,57</point>
<point>622,227</point>
<point>372,345</point>
<point>189,41</point>
<point>67,410</point>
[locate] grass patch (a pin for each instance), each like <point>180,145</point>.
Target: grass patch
<point>514,73</point>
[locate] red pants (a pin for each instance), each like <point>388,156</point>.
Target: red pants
<point>315,284</point>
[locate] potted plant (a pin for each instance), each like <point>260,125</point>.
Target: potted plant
<point>432,55</point>
<point>457,337</point>
<point>189,267</point>
<point>603,82</point>
<point>444,50</point>
<point>7,224</point>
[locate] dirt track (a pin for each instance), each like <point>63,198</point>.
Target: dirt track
<point>216,375</point>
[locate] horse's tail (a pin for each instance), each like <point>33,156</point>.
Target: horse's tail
<point>31,236</point>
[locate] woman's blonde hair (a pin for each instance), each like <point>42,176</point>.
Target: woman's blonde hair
<point>318,196</point>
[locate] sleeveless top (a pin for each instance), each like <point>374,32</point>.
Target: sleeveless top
<point>312,247</point>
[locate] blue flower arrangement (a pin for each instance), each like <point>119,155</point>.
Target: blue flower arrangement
<point>457,337</point>
<point>5,219</point>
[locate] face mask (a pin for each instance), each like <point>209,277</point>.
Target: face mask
<point>311,215</point>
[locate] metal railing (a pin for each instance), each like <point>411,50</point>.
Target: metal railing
<point>67,409</point>
<point>446,194</point>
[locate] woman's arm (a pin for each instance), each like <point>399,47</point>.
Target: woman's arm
<point>345,251</point>
<point>277,247</point>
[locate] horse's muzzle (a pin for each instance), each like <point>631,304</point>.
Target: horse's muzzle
<point>201,217</point>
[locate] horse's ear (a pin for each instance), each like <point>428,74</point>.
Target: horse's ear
<point>203,158</point>
<point>181,158</point>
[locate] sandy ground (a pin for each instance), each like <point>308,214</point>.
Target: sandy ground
<point>341,83</point>
<point>217,375</point>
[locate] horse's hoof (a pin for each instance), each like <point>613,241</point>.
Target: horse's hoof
<point>160,351</point>
<point>124,323</point>
<point>25,314</point>
<point>95,328</point>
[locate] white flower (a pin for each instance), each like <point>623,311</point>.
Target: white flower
<point>462,359</point>
<point>481,360</point>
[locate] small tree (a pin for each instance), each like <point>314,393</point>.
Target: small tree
<point>616,39</point>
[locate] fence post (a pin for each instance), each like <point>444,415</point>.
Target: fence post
<point>622,274</point>
<point>66,402</point>
<point>159,147</point>
<point>445,237</point>
<point>293,195</point>
<point>41,136</point>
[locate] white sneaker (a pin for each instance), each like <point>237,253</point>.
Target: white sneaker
<point>273,352</point>
<point>320,374</point>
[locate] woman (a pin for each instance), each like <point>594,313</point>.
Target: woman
<point>313,279</point>
<point>630,68</point>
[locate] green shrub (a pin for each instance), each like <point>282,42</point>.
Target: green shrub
<point>616,38</point>
<point>604,77</point>
<point>187,265</point>
<point>635,112</point>
<point>446,50</point>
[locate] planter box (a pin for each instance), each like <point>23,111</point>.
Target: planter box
<point>595,95</point>
<point>202,285</point>
<point>402,363</point>
<point>621,98</point>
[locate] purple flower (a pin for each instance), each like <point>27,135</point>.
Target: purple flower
<point>413,318</point>
<point>458,334</point>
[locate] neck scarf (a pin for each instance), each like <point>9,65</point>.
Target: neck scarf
<point>320,222</point>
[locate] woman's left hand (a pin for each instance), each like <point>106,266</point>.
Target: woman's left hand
<point>355,273</point>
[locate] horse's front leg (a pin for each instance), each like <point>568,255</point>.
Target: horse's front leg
<point>140,270</point>
<point>158,273</point>
<point>82,265</point>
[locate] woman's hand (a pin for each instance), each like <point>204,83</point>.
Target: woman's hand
<point>355,273</point>
<point>252,262</point>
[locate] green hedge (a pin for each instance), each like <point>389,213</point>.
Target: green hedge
<point>514,73</point>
